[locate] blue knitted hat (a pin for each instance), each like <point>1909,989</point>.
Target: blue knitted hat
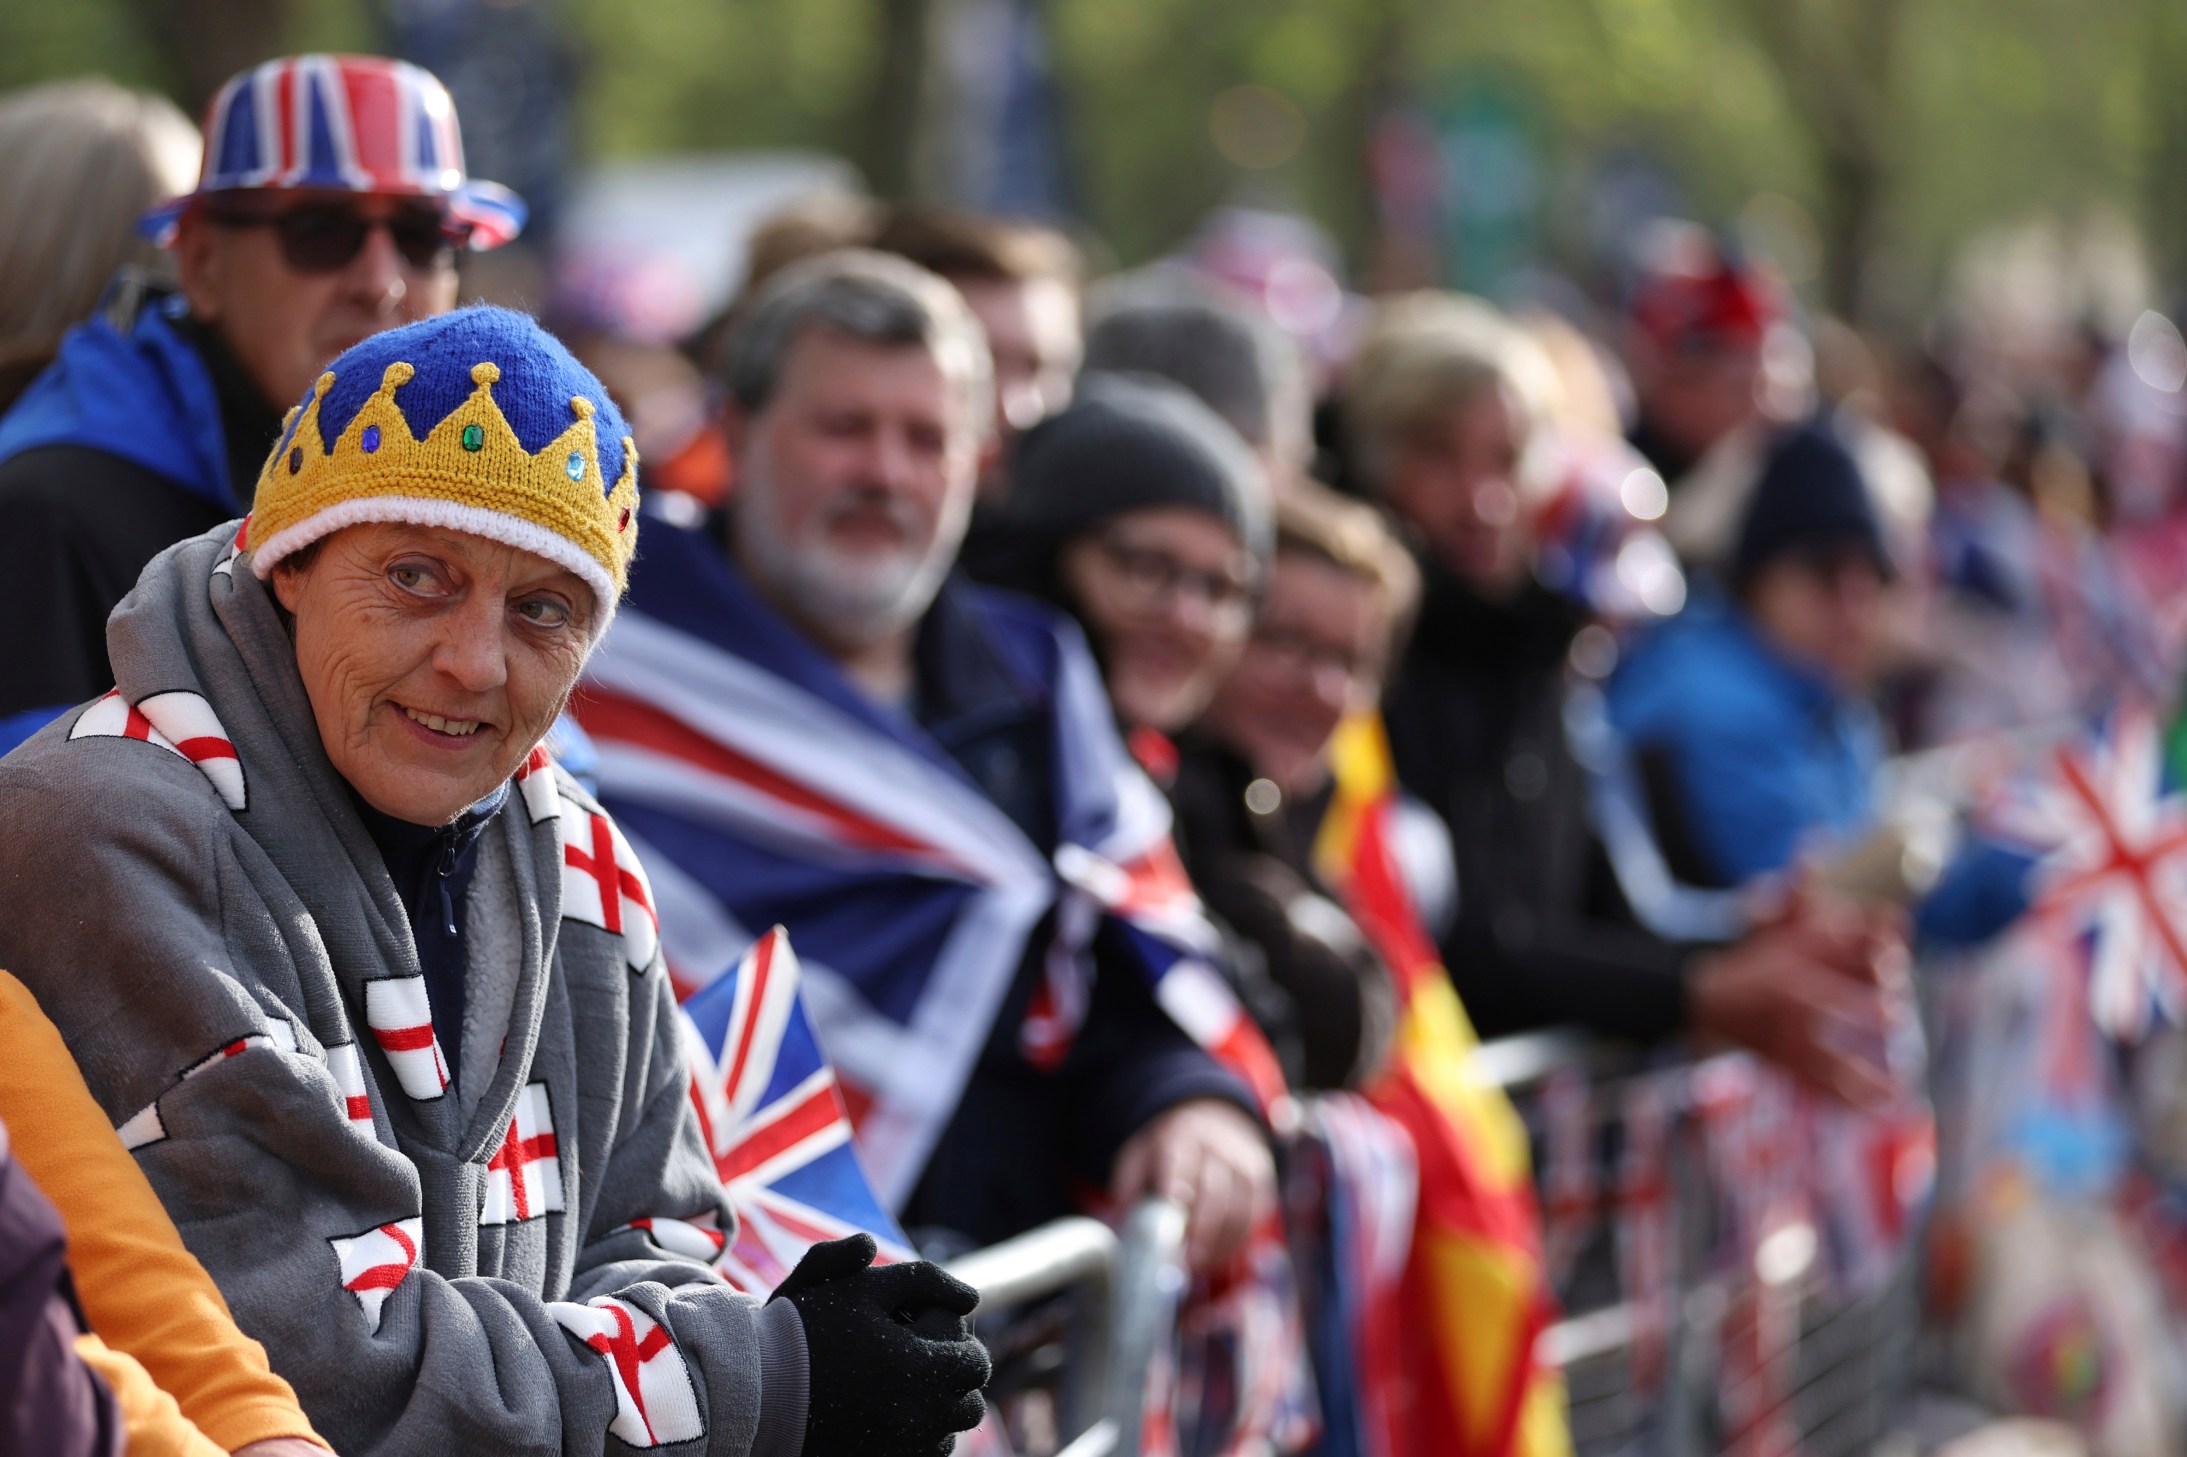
<point>479,421</point>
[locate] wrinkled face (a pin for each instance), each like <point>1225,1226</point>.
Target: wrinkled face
<point>287,323</point>
<point>1033,333</point>
<point>434,660</point>
<point>1456,481</point>
<point>854,484</point>
<point>1829,612</point>
<point>1166,595</point>
<point>1315,654</point>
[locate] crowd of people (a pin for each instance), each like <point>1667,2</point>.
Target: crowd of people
<point>1141,726</point>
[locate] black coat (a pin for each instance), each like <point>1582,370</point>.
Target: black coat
<point>79,525</point>
<point>1319,991</point>
<point>1476,723</point>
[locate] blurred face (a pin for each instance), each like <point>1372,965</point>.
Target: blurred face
<point>1694,398</point>
<point>434,660</point>
<point>1315,653</point>
<point>261,270</point>
<point>854,484</point>
<point>1456,482</point>
<point>1033,333</point>
<point>1827,612</point>
<point>1166,595</point>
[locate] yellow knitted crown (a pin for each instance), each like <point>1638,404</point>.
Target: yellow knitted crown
<point>469,473</point>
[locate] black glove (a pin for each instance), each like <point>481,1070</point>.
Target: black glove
<point>896,1370</point>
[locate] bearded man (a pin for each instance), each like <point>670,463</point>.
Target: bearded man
<point>804,718</point>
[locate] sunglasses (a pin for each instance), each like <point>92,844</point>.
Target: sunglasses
<point>325,237</point>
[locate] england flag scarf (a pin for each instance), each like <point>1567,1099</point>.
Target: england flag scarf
<point>759,786</point>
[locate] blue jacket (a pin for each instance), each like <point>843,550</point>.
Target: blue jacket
<point>145,396</point>
<point>1765,756</point>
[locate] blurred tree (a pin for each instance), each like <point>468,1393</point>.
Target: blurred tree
<point>1835,61</point>
<point>204,42</point>
<point>1900,127</point>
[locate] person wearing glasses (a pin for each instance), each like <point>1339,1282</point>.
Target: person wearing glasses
<point>1255,783</point>
<point>1143,515</point>
<point>332,204</point>
<point>810,719</point>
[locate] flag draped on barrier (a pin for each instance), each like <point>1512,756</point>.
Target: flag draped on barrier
<point>1474,1299</point>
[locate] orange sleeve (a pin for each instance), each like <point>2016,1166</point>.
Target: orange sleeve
<point>143,1292</point>
<point>155,1426</point>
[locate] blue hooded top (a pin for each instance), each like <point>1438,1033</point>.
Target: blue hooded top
<point>144,396</point>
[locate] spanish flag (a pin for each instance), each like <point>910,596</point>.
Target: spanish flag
<point>1466,1383</point>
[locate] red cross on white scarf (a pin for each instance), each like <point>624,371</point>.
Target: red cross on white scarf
<point>401,1018</point>
<point>655,1405</point>
<point>181,723</point>
<point>374,1263</point>
<point>603,885</point>
<point>524,1176</point>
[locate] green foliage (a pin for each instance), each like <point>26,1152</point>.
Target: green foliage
<point>1901,126</point>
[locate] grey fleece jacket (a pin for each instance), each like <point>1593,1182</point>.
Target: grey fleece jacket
<point>516,1264</point>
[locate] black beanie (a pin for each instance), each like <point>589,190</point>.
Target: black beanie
<point>1811,499</point>
<point>1128,443</point>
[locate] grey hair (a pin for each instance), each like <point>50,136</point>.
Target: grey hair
<point>1160,321</point>
<point>864,295</point>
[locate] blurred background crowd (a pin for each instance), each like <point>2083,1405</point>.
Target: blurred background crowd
<point>1726,459</point>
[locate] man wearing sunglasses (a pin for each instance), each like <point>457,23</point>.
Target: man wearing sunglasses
<point>333,204</point>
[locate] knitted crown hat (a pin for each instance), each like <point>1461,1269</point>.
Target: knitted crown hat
<point>476,421</point>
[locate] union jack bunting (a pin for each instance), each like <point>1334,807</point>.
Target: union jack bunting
<point>775,1123</point>
<point>145,1127</point>
<point>372,1264</point>
<point>401,1020</point>
<point>758,786</point>
<point>2113,834</point>
<point>655,1403</point>
<point>348,124</point>
<point>524,1176</point>
<point>181,723</point>
<point>1571,1182</point>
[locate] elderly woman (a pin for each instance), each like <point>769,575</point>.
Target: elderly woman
<point>372,988</point>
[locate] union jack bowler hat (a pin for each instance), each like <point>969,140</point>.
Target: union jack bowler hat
<point>345,124</point>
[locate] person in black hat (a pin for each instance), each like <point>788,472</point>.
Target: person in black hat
<point>1143,515</point>
<point>1749,713</point>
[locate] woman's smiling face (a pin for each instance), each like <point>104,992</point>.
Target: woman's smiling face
<point>434,659</point>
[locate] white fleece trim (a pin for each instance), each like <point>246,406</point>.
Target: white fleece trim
<point>451,516</point>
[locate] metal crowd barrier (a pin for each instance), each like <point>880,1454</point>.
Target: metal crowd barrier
<point>1838,1387</point>
<point>1125,1287</point>
<point>1838,1384</point>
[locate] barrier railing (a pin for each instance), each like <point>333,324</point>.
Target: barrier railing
<point>1125,1286</point>
<point>1638,1386</point>
<point>1832,1383</point>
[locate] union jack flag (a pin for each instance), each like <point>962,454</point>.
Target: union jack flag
<point>774,1120</point>
<point>349,124</point>
<point>757,786</point>
<point>2113,836</point>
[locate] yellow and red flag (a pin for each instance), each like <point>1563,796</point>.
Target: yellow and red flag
<point>1466,1381</point>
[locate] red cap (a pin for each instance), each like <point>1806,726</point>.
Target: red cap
<point>1705,303</point>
